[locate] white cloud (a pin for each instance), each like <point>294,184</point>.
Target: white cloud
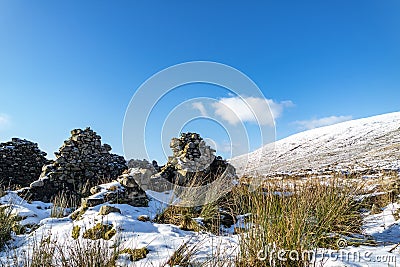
<point>4,121</point>
<point>315,123</point>
<point>249,109</point>
<point>200,107</point>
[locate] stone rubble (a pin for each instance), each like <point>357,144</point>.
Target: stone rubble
<point>147,175</point>
<point>21,163</point>
<point>193,163</point>
<point>81,163</point>
<point>124,190</point>
<point>140,164</point>
<point>83,166</point>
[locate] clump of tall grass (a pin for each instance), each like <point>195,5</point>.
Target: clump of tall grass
<point>90,253</point>
<point>2,192</point>
<point>63,205</point>
<point>300,219</point>
<point>49,252</point>
<point>183,255</point>
<point>201,218</point>
<point>180,216</point>
<point>7,222</point>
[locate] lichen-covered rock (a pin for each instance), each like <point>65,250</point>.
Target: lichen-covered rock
<point>100,231</point>
<point>135,254</point>
<point>76,230</point>
<point>21,163</point>
<point>81,163</point>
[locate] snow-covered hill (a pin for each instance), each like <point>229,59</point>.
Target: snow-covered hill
<point>368,143</point>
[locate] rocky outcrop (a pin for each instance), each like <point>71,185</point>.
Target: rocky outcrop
<point>21,163</point>
<point>81,162</point>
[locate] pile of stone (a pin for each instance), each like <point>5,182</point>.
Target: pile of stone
<point>193,163</point>
<point>81,163</point>
<point>124,190</point>
<point>140,164</point>
<point>190,153</point>
<point>147,175</point>
<point>21,162</point>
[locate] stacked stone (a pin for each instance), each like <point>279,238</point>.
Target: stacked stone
<point>193,162</point>
<point>190,153</point>
<point>21,162</point>
<point>82,162</point>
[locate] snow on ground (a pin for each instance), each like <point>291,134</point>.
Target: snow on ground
<point>162,240</point>
<point>385,230</point>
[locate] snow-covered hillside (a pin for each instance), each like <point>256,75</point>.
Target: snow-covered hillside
<point>368,143</point>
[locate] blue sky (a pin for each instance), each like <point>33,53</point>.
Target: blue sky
<point>73,64</point>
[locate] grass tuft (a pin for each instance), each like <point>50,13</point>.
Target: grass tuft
<point>299,218</point>
<point>7,223</point>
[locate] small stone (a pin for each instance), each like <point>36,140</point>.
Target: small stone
<point>91,202</point>
<point>107,147</point>
<point>105,210</point>
<point>143,218</point>
<point>129,181</point>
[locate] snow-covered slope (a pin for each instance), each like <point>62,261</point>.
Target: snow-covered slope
<point>372,143</point>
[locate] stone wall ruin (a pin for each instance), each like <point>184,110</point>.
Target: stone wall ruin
<point>21,163</point>
<point>81,163</point>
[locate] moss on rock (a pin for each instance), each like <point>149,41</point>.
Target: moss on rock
<point>135,254</point>
<point>100,231</point>
<point>77,215</point>
<point>76,231</point>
